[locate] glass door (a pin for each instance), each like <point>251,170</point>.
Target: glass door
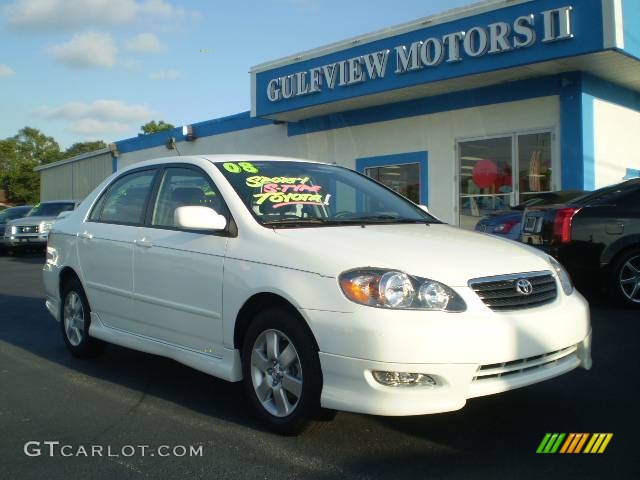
<point>487,184</point>
<point>485,178</point>
<point>534,166</point>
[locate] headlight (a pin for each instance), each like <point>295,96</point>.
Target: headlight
<point>13,229</point>
<point>563,276</point>
<point>393,289</point>
<point>45,227</point>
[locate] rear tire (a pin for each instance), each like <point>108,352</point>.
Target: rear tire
<point>75,318</point>
<point>281,371</point>
<point>625,279</point>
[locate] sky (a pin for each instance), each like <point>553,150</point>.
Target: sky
<point>83,70</point>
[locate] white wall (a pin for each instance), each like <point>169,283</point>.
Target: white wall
<point>616,141</point>
<point>435,133</point>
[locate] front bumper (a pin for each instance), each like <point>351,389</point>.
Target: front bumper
<point>474,353</point>
<point>20,241</point>
<point>349,384</point>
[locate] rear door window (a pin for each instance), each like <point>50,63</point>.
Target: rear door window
<point>126,200</point>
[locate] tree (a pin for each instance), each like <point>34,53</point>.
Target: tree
<point>34,146</point>
<point>154,127</point>
<point>83,147</point>
<point>7,160</point>
<point>19,155</point>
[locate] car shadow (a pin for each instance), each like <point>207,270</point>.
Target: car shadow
<point>31,257</point>
<point>25,323</point>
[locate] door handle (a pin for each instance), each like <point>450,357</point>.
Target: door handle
<point>144,243</point>
<point>86,235</point>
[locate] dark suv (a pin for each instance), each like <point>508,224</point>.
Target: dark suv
<point>11,214</point>
<point>595,236</point>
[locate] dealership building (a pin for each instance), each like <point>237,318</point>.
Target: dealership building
<point>467,111</point>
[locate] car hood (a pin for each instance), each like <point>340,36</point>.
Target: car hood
<point>31,220</point>
<point>439,252</point>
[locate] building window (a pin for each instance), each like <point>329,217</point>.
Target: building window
<point>403,179</point>
<point>405,173</point>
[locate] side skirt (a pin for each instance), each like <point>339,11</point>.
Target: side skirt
<point>227,367</point>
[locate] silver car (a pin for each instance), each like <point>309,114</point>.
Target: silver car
<point>32,230</point>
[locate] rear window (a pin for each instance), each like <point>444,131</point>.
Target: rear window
<point>607,194</point>
<point>550,198</point>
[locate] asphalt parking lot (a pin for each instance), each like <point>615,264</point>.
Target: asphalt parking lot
<point>131,398</point>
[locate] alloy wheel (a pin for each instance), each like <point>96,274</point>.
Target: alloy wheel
<point>73,317</point>
<point>276,373</point>
<point>630,279</point>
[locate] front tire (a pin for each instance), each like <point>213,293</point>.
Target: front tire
<point>75,318</point>
<point>281,370</point>
<point>625,280</point>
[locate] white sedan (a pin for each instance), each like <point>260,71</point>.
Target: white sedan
<point>317,287</point>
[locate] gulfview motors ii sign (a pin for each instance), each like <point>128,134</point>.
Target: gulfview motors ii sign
<point>492,39</point>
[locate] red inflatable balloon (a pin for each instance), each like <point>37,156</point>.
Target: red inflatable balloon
<point>485,173</point>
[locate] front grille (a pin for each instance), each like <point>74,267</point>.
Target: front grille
<point>501,293</point>
<point>27,229</point>
<point>524,365</point>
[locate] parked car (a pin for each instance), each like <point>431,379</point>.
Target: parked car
<point>508,223</point>
<point>315,286</point>
<point>9,214</point>
<point>596,237</point>
<point>31,231</point>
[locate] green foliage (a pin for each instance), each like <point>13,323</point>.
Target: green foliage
<point>154,127</point>
<point>34,146</point>
<point>20,154</point>
<point>83,147</point>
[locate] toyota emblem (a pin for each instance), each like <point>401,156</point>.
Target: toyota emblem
<point>524,287</point>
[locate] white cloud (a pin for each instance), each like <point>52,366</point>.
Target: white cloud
<point>67,14</point>
<point>104,110</point>
<point>86,50</point>
<point>145,43</point>
<point>6,70</point>
<point>90,127</point>
<point>99,119</point>
<point>169,74</point>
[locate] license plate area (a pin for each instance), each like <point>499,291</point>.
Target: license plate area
<point>533,224</point>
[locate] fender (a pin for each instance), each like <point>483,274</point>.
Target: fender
<point>612,250</point>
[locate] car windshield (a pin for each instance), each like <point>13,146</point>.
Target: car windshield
<point>50,209</point>
<point>12,214</point>
<point>289,194</point>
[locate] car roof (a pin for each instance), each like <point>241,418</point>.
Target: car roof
<point>218,158</point>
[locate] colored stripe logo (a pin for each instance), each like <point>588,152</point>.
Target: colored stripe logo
<point>574,443</point>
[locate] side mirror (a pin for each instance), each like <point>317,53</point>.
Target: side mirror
<point>199,218</point>
<point>63,214</point>
<point>424,207</point>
